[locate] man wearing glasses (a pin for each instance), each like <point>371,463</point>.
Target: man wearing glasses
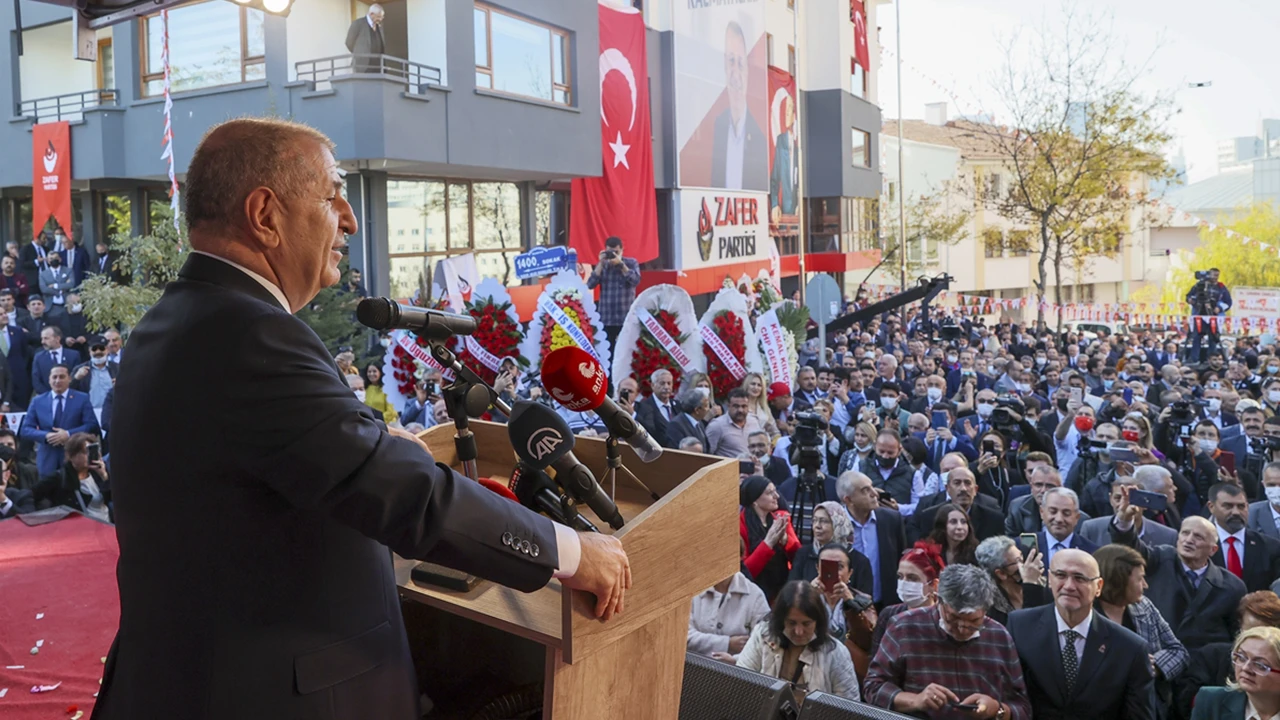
<point>1100,669</point>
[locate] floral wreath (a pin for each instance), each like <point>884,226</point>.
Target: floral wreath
<point>399,369</point>
<point>498,329</point>
<point>728,317</point>
<point>638,353</point>
<point>567,290</point>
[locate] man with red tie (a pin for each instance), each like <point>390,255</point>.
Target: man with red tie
<point>1247,554</point>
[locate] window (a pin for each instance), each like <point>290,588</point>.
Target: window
<point>768,48</point>
<point>995,186</point>
<point>106,69</point>
<point>452,218</point>
<point>861,148</point>
<point>520,57</point>
<point>857,79</point>
<point>993,243</point>
<point>210,44</point>
<point>1019,242</point>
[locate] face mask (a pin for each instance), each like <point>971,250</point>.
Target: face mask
<point>911,592</point>
<point>985,409</point>
<point>888,403</point>
<point>1108,383</point>
<point>1273,396</point>
<point>863,448</point>
<point>934,394</point>
<point>991,369</point>
<point>360,395</point>
<point>955,358</point>
<point>1024,387</point>
<point>1042,361</point>
<point>909,367</point>
<point>870,355</point>
<point>1215,404</point>
<point>1273,495</point>
<point>1084,423</point>
<point>77,307</point>
<point>886,462</point>
<point>1208,446</point>
<point>385,342</point>
<point>1130,435</point>
<point>99,361</point>
<point>1273,369</point>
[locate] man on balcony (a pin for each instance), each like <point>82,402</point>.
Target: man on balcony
<point>365,41</point>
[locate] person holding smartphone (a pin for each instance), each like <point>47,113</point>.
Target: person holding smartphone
<point>617,277</point>
<point>83,483</point>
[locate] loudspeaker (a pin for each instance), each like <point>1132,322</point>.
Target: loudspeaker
<point>822,706</point>
<point>713,690</point>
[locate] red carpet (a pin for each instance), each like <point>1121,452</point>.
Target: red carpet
<point>65,570</point>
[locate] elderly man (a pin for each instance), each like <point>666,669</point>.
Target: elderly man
<point>289,606</point>
<point>692,408</point>
<point>985,518</point>
<point>932,658</point>
<point>1101,670</point>
<point>1024,511</point>
<point>1145,477</point>
<point>877,533</point>
<point>655,411</point>
<point>365,40</point>
<point>1198,599</point>
<point>1060,515</point>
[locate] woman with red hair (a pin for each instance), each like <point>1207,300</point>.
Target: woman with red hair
<point>918,573</point>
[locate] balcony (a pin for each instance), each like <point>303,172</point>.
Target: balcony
<point>416,77</point>
<point>70,107</point>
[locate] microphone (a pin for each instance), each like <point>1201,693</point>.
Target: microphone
<point>499,489</point>
<point>534,490</point>
<point>576,380</point>
<point>542,439</point>
<point>382,313</point>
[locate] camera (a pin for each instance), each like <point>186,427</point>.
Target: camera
<point>1088,447</point>
<point>1202,274</point>
<point>808,441</point>
<point>1003,416</point>
<point>1263,445</point>
<point>949,330</point>
<point>1180,412</point>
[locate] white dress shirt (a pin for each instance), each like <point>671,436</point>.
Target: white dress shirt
<point>1222,543</point>
<point>735,149</point>
<point>1251,713</point>
<point>1082,629</point>
<point>568,547</point>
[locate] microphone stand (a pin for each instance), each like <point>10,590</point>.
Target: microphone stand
<point>613,459</point>
<point>468,395</point>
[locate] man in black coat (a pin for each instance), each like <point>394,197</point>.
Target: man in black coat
<point>31,260</point>
<point>293,497</point>
<point>655,411</point>
<point>1248,554</point>
<point>985,518</point>
<point>1077,663</point>
<point>691,407</point>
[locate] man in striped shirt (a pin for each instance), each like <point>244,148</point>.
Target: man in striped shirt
<point>950,661</point>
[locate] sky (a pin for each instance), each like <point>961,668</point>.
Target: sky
<point>959,44</point>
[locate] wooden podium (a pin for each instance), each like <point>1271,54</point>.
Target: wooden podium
<point>632,666</point>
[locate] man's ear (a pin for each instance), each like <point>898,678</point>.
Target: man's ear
<point>262,215</point>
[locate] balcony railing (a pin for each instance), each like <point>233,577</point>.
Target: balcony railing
<point>415,76</point>
<point>70,107</point>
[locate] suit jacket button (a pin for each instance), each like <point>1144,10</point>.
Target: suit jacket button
<point>524,547</point>
<point>506,539</point>
<point>533,550</point>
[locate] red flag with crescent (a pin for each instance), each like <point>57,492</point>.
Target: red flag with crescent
<point>51,175</point>
<point>621,202</point>
<point>858,16</point>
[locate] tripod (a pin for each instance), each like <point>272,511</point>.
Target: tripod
<point>613,463</point>
<point>467,396</point>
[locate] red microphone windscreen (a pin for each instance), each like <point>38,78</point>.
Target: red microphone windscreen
<point>500,489</point>
<point>574,378</point>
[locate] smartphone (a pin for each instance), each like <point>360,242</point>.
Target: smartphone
<point>1128,396</point>
<point>989,446</point>
<point>95,452</point>
<point>1149,500</point>
<point>1077,394</point>
<point>829,574</point>
<point>746,467</point>
<point>884,495</point>
<point>939,419</point>
<point>625,395</point>
<point>962,707</point>
<point>1119,455</point>
<point>1227,461</point>
<point>1030,541</point>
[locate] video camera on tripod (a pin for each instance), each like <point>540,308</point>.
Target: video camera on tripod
<point>1003,416</point>
<point>808,448</point>
<point>1205,294</point>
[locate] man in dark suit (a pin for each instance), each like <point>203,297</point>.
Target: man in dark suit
<point>13,345</point>
<point>35,321</point>
<point>1198,599</point>
<point>739,150</point>
<point>365,40</point>
<point>1162,356</point>
<point>13,501</point>
<point>74,257</point>
<point>52,354</point>
<point>1264,516</point>
<point>878,533</point>
<point>32,258</point>
<point>985,518</point>
<point>280,534</point>
<point>1247,554</point>
<point>105,264</point>
<point>1059,516</point>
<point>655,411</point>
<point>692,406</point>
<point>1077,663</point>
<point>53,418</point>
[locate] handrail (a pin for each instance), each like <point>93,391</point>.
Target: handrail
<point>321,71</point>
<point>70,106</point>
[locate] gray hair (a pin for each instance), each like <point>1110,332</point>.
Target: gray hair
<point>1047,470</point>
<point>1065,492</point>
<point>689,442</point>
<point>966,588</point>
<point>1151,477</point>
<point>841,526</point>
<point>653,377</point>
<point>844,483</point>
<point>991,553</point>
<point>691,399</point>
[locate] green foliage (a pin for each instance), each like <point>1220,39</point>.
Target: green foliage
<point>794,319</point>
<point>1240,265</point>
<point>332,316</point>
<point>151,261</point>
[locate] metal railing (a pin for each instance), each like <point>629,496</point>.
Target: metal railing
<point>415,76</point>
<point>69,107</point>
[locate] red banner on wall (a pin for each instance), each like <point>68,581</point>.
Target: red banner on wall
<point>622,201</point>
<point>784,154</point>
<point>858,16</point>
<point>51,175</point>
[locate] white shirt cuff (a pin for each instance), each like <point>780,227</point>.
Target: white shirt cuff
<point>4,508</point>
<point>569,548</point>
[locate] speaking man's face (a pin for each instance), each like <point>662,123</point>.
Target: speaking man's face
<point>735,71</point>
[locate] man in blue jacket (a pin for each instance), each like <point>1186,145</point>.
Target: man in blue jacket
<point>54,417</point>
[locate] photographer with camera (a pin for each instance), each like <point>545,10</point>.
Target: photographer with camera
<point>1209,300</point>
<point>617,278</point>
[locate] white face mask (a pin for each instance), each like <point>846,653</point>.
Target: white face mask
<point>1024,387</point>
<point>870,354</point>
<point>985,409</point>
<point>77,307</point>
<point>385,342</point>
<point>1042,361</point>
<point>1273,495</point>
<point>1273,396</point>
<point>1208,446</point>
<point>1215,404</point>
<point>99,361</point>
<point>360,395</point>
<point>888,403</point>
<point>863,448</point>
<point>934,394</point>
<point>909,367</point>
<point>911,592</point>
<point>953,359</point>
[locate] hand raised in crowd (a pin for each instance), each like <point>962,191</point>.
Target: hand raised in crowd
<point>82,373</point>
<point>945,434</point>
<point>776,536</point>
<point>603,571</point>
<point>988,461</point>
<point>1032,567</point>
<point>930,436</point>
<point>1127,513</point>
<point>970,430</point>
<point>1228,477</point>
<point>1145,456</point>
<point>889,502</point>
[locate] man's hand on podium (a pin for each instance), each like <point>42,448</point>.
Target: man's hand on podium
<point>406,435</point>
<point>603,571</point>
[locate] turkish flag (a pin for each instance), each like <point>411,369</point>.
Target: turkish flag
<point>51,175</point>
<point>858,16</point>
<point>621,202</point>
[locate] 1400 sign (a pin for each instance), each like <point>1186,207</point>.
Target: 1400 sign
<point>740,214</point>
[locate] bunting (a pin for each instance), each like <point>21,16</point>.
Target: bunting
<point>168,124</point>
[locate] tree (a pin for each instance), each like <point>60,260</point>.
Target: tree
<point>1241,265</point>
<point>332,316</point>
<point>930,223</point>
<point>1084,146</point>
<point>151,261</point>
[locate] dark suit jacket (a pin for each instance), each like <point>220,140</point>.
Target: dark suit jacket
<point>77,266</point>
<point>77,416</point>
<point>1219,703</point>
<point>362,39</point>
<point>681,428</point>
<point>1114,680</point>
<point>985,518</point>
<point>23,502</point>
<point>33,326</point>
<point>898,484</point>
<point>1209,615</point>
<point>755,159</point>
<point>649,415</point>
<point>27,263</point>
<point>42,363</point>
<point>1261,560</point>
<point>892,537</point>
<point>1261,519</point>
<point>106,265</point>
<point>280,534</point>
<point>113,369</point>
